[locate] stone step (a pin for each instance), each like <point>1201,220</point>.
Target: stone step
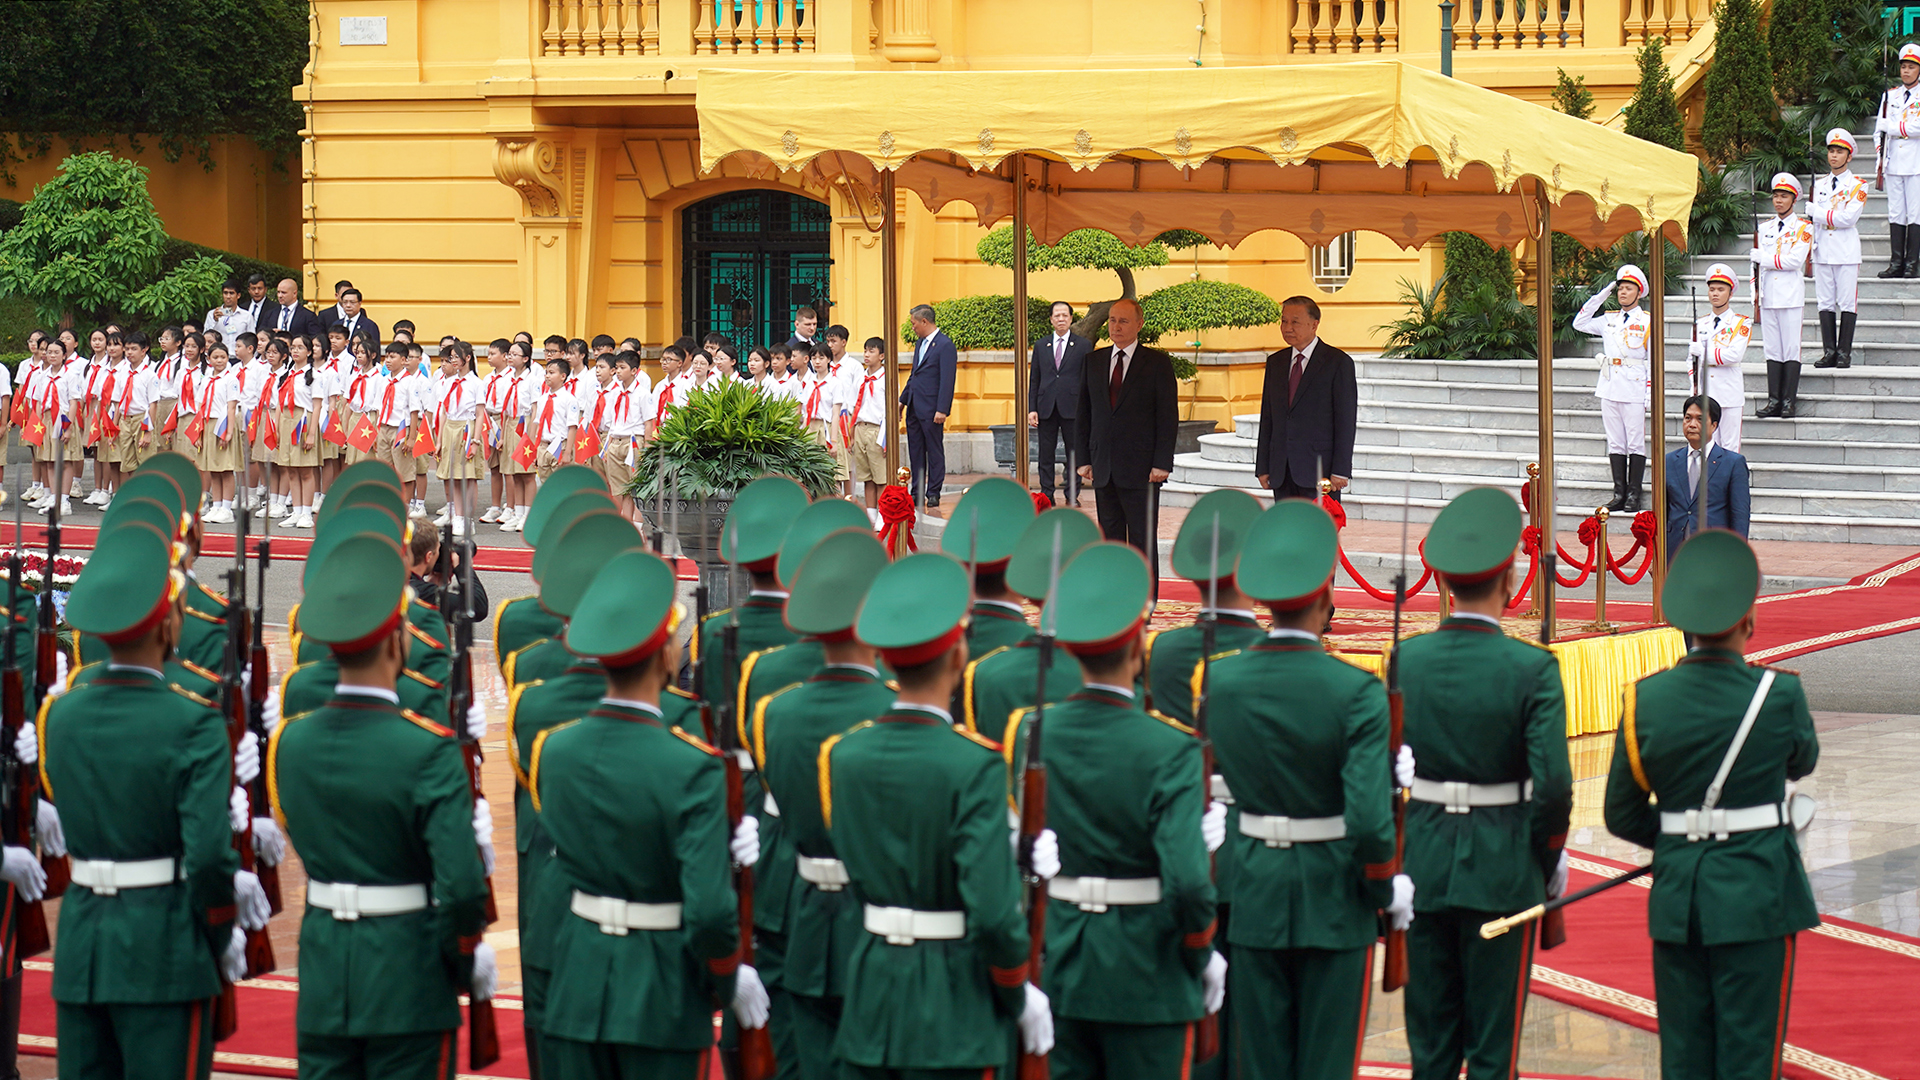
<point>1524,444</point>
<point>1586,418</point>
<point>1377,392</point>
<point>1871,287</point>
<point>1872,309</point>
<point>1579,372</point>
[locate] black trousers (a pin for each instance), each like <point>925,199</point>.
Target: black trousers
<point>1056,429</point>
<point>926,456</point>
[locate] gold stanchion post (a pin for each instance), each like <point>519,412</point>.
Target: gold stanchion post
<point>1600,625</point>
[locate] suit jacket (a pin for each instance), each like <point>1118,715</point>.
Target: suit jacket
<point>304,320</point>
<point>1728,500</point>
<point>1123,442</point>
<point>1051,392</point>
<point>929,386</point>
<point>333,315</point>
<point>1317,428</point>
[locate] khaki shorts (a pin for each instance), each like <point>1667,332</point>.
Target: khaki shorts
<point>825,431</point>
<point>131,452</point>
<point>869,458</point>
<point>397,452</point>
<point>619,474</point>
<point>544,463</point>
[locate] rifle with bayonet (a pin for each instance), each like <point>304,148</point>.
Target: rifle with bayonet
<point>259,685</point>
<point>236,697</point>
<point>483,1035</point>
<point>1206,1035</point>
<point>1393,974</point>
<point>1552,908</point>
<point>1033,798</point>
<point>46,651</point>
<point>20,803</point>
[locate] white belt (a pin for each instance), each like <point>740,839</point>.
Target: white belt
<point>904,926</point>
<point>1096,894</point>
<point>1220,790</point>
<point>1284,832</point>
<point>106,877</point>
<point>1459,798</point>
<point>827,875</point>
<point>769,807</point>
<point>617,916</point>
<point>1718,823</point>
<point>348,902</point>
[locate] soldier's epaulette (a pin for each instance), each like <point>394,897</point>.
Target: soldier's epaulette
<point>759,725</point>
<point>1773,668</point>
<point>210,594</point>
<point>1146,657</point>
<point>210,676</point>
<point>695,741</point>
<point>688,694</point>
<point>975,737</point>
<point>712,615</point>
<point>891,684</point>
<point>966,686</point>
<point>423,722</point>
<point>1011,737</point>
<point>533,762</point>
<point>191,696</point>
<point>513,659</point>
<point>1170,722</point>
<point>198,614</point>
<point>422,679</point>
<point>431,641</point>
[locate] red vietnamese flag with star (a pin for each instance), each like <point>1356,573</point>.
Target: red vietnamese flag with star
<point>362,438</point>
<point>334,432</point>
<point>425,443</point>
<point>526,452</point>
<point>586,445</point>
<point>35,429</point>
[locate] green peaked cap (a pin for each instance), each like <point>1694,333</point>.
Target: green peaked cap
<point>1193,548</point>
<point>814,523</point>
<point>915,601</point>
<point>1104,594</point>
<point>1003,508</point>
<point>571,509</point>
<point>370,469</point>
<point>349,522</point>
<point>181,470</point>
<point>832,581</point>
<point>356,592</point>
<point>628,612</point>
<point>564,482</point>
<point>366,491</point>
<point>1289,552</point>
<point>1475,535</point>
<point>585,548</point>
<point>759,519</point>
<point>1712,583</point>
<point>124,583</point>
<point>1032,562</point>
<point>141,508</point>
<point>157,486</point>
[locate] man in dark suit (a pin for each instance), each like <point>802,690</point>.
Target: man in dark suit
<point>257,303</point>
<point>354,318</point>
<point>1053,394</point>
<point>286,314</point>
<point>336,313</point>
<point>1126,423</point>
<point>1728,499</point>
<point>1309,406</point>
<point>925,401</point>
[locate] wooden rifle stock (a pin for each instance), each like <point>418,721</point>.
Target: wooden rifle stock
<point>754,1058</point>
<point>483,1033</point>
<point>1393,975</point>
<point>259,944</point>
<point>59,868</point>
<point>1206,1034</point>
<point>1033,820</point>
<point>22,806</point>
<point>262,679</point>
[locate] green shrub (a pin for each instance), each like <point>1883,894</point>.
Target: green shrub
<point>176,252</point>
<point>1654,114</point>
<point>1203,305</point>
<point>1720,213</point>
<point>724,437</point>
<point>1472,263</point>
<point>982,322</point>
<point>1799,39</point>
<point>1740,111</point>
<point>1571,96</point>
<point>1486,322</point>
<point>10,214</point>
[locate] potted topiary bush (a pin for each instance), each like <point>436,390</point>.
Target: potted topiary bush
<point>1193,306</point>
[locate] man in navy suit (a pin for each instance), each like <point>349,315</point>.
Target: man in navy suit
<point>1728,501</point>
<point>925,401</point>
<point>1309,407</point>
<point>1053,393</point>
<point>354,318</point>
<point>287,314</point>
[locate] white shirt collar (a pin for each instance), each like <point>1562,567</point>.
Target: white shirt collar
<point>936,710</point>
<point>1004,604</point>
<point>388,696</point>
<point>1242,612</point>
<point>630,703</point>
<point>1306,351</point>
<point>1287,633</point>
<point>873,671</point>
<point>775,593</point>
<point>111,666</point>
<point>1123,691</point>
<point>1488,619</point>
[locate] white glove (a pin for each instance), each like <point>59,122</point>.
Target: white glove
<point>250,901</point>
<point>1400,911</point>
<point>486,972</point>
<point>745,845</point>
<point>1213,825</point>
<point>1403,767</point>
<point>1046,855</point>
<point>1213,983</point>
<point>46,829</point>
<point>1557,884</point>
<point>233,962</point>
<point>246,759</point>
<point>24,871</point>
<point>59,674</point>
<point>270,712</point>
<point>483,833</point>
<point>749,997</point>
<point>476,720</point>
<point>269,843</point>
<point>1036,1023</point>
<point>26,745</point>
<point>238,811</point>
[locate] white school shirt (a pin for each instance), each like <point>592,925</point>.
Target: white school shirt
<point>170,371</point>
<point>869,402</point>
<point>819,397</point>
<point>406,399</point>
<point>552,427</point>
<point>225,391</point>
<point>136,390</point>
<point>460,399</point>
<point>303,395</point>
<point>628,410</point>
<point>498,383</point>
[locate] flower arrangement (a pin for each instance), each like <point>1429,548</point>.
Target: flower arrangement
<point>33,571</point>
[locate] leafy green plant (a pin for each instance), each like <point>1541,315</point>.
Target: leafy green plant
<point>1203,305</point>
<point>1446,322</point>
<point>1654,114</point>
<point>1571,96</point>
<point>1423,332</point>
<point>1740,110</point>
<point>1089,249</point>
<point>724,437</point>
<point>1847,86</point>
<point>1472,262</point>
<point>1799,39</point>
<point>982,322</point>
<point>1721,211</point>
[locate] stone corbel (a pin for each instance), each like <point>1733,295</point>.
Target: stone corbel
<point>536,167</point>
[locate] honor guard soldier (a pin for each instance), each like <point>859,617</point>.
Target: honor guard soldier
<point>1718,744</point>
<point>1834,209</point>
<point>1896,137</point>
<point>547,656</point>
<point>1491,794</point>
<point>1623,386</point>
<point>985,526</point>
<point>1719,345</point>
<point>1130,914</point>
<point>1301,737</point>
<point>520,622</point>
<point>648,939</point>
<point>1173,655</point>
<point>143,772</point>
<point>822,919</point>
<point>1780,252</point>
<point>203,626</point>
<point>998,684</point>
<point>377,801</point>
<point>916,808</point>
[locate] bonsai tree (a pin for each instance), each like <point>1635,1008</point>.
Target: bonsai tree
<point>1192,306</point>
<point>982,322</point>
<point>1088,249</point>
<point>725,437</point>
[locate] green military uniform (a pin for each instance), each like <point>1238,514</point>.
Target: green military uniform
<point>985,526</point>
<point>141,772</point>
<point>1301,739</point>
<point>916,809</point>
<point>1002,682</point>
<point>378,803</point>
<point>156,494</point>
<point>1486,711</point>
<point>525,657</point>
<point>521,621</point>
<point>518,623</point>
<point>1126,949</point>
<point>1725,907</point>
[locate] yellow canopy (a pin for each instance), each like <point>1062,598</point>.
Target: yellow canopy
<point>1314,150</point>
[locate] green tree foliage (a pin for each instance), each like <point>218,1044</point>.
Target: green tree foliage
<point>1192,306</point>
<point>1089,249</point>
<point>89,246</point>
<point>1846,86</point>
<point>1654,114</point>
<point>983,322</point>
<point>1741,115</point>
<point>1472,263</point>
<point>178,72</point>
<point>1446,322</point>
<point>1799,39</point>
<point>1571,96</point>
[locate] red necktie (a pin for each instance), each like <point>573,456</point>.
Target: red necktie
<point>1293,379</point>
<point>1114,380</point>
<point>599,407</point>
<point>546,417</point>
<point>813,404</point>
<point>861,397</point>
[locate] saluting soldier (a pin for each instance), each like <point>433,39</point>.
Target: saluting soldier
<point>985,526</point>
<point>143,771</point>
<point>1000,683</point>
<point>1301,738</point>
<point>1834,209</point>
<point>1624,385</point>
<point>1130,912</point>
<point>377,801</point>
<point>1719,346</point>
<point>648,942</point>
<point>1779,256</point>
<point>1491,788</point>
<point>1718,744</point>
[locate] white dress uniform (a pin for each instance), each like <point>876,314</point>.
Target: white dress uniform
<point>1783,245</point>
<point>1897,137</point>
<point>1719,345</point>
<point>1623,385</point>
<point>1838,199</point>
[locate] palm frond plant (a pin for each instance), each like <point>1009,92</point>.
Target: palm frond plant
<point>1424,331</point>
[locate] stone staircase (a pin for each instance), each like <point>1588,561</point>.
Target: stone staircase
<point>1845,469</point>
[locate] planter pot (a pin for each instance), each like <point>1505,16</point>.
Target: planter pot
<point>1187,439</point>
<point>701,542</point>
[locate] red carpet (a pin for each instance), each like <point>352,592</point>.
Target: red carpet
<point>1848,981</point>
<point>1886,601</point>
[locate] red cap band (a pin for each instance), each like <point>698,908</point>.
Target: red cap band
<point>915,655</point>
<point>1297,603</point>
<point>1106,645</point>
<point>837,637</point>
<point>654,643</point>
<point>762,566</point>
<point>139,629</point>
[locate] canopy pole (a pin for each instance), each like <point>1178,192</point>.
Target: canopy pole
<point>1544,494</point>
<point>1020,328</point>
<point>1657,375</point>
<point>890,314</point>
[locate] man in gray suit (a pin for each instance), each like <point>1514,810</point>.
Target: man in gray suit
<point>1053,393</point>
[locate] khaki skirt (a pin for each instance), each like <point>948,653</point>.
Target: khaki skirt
<point>217,456</point>
<point>292,455</point>
<point>454,462</point>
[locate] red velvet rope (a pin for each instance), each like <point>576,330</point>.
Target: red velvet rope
<point>896,515</point>
<point>1644,533</point>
